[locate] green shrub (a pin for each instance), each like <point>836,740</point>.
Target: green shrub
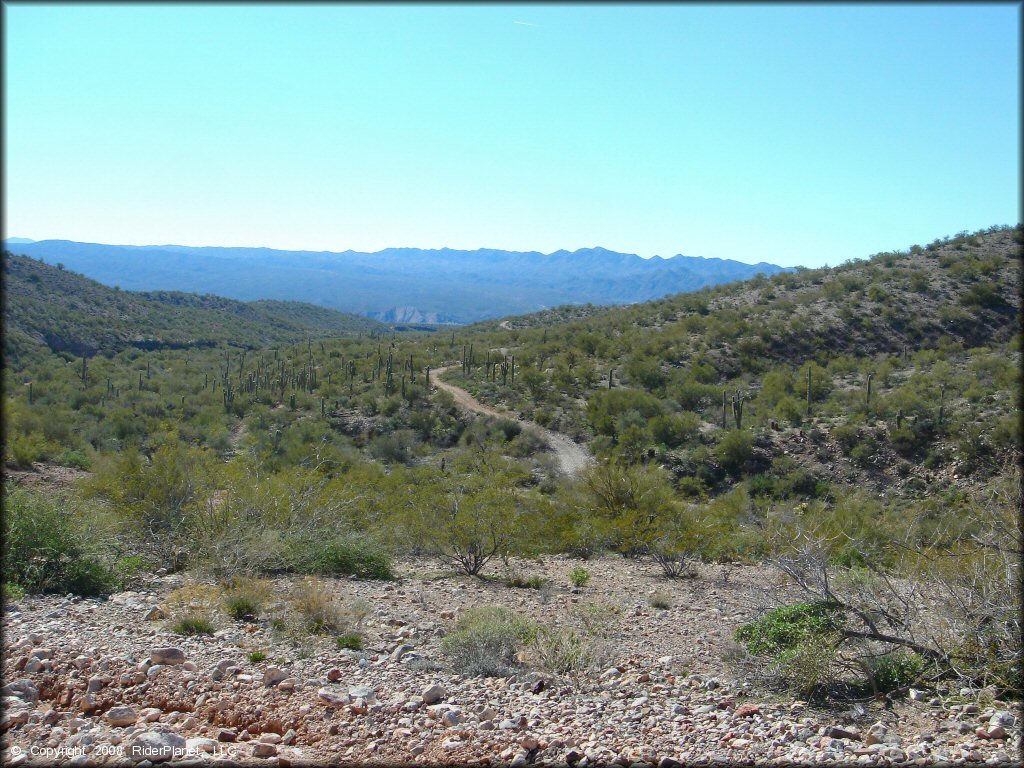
<point>319,612</point>
<point>12,592</point>
<point>787,626</point>
<point>675,429</point>
<point>42,552</point>
<point>131,565</point>
<point>485,641</point>
<point>240,608</point>
<point>350,641</point>
<point>257,656</point>
<point>344,555</point>
<point>895,670</point>
<point>518,581</point>
<point>734,450</point>
<point>25,450</point>
<point>566,652</point>
<point>579,577</point>
<point>660,600</point>
<point>244,598</point>
<point>72,458</point>
<point>193,624</point>
<point>509,428</point>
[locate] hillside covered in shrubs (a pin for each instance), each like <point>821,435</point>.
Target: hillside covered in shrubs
<point>855,426</point>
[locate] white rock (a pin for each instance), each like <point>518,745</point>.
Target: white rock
<point>400,651</point>
<point>364,692</point>
<point>332,698</point>
<point>200,744</point>
<point>156,747</point>
<point>433,693</point>
<point>260,749</point>
<point>23,689</point>
<point>273,676</point>
<point>168,655</point>
<point>122,716</point>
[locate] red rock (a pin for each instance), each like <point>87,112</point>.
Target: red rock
<point>747,710</point>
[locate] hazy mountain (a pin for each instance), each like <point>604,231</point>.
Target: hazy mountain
<point>18,240</point>
<point>399,284</point>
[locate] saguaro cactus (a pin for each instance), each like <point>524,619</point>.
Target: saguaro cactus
<point>737,410</point>
<point>808,391</point>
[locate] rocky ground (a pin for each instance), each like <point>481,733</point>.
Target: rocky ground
<point>107,681</point>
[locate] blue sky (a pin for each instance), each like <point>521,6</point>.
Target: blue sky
<point>803,134</point>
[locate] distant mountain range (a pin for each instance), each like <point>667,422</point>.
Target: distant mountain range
<point>407,285</point>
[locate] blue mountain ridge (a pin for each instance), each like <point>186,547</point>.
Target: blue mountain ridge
<point>416,285</point>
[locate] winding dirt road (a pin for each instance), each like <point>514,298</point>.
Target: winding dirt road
<point>572,457</point>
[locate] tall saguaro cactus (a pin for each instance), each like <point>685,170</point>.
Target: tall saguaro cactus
<point>808,391</point>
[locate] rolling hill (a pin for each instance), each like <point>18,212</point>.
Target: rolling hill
<point>48,306</point>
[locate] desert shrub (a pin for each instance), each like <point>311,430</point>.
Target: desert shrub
<point>245,598</point>
<point>12,592</point>
<point>895,670</point>
<point>350,641</point>
<point>485,641</point>
<point>567,652</point>
<point>660,600</point>
<point>597,618</point>
<point>785,627</point>
<point>341,555</point>
<point>912,439</point>
<point>863,453</point>
<point>509,428</point>
<point>71,457</point>
<point>191,609</point>
<point>734,450</point>
<point>847,435</point>
<point>44,552</point>
<point>527,443</point>
<point>131,565</point>
<point>472,514</point>
<point>790,410</point>
<point>794,646</point>
<point>519,581</point>
<point>318,610</point>
<point>806,667</point>
<point>193,624</point>
<point>605,408</point>
<point>25,450</point>
<point>394,447</point>
<point>359,610</point>
<point>986,294</point>
<point>674,429</point>
<point>579,577</point>
<point>257,656</point>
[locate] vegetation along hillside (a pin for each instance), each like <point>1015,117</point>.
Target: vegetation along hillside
<point>824,461</point>
<point>52,306</point>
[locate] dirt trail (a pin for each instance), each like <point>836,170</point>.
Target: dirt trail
<point>572,457</point>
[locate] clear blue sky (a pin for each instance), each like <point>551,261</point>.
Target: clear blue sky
<point>792,134</point>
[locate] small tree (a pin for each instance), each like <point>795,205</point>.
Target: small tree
<point>472,514</point>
